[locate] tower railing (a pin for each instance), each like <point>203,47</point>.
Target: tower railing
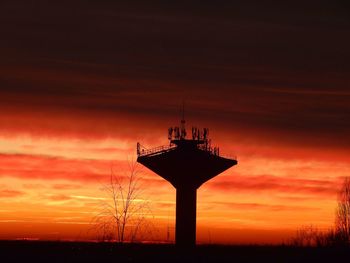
<point>214,151</point>
<point>143,151</point>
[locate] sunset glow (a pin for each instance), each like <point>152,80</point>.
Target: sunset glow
<point>72,111</point>
<point>51,187</point>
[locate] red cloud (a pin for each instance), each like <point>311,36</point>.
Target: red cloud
<point>59,197</point>
<point>46,167</point>
<point>277,184</point>
<point>66,186</point>
<point>54,168</point>
<point>10,193</point>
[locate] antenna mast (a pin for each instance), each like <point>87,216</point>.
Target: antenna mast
<point>183,128</point>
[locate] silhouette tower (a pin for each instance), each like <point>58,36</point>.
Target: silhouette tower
<point>186,164</point>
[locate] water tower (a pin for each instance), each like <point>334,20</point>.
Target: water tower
<point>186,164</point>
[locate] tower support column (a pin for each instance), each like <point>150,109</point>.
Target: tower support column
<point>185,231</point>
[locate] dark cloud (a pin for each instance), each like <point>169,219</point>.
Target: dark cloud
<point>272,67</point>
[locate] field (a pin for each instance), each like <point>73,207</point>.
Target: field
<point>37,251</point>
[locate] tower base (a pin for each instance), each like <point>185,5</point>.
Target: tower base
<point>185,231</point>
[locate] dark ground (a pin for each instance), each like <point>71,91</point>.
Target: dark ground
<point>36,251</point>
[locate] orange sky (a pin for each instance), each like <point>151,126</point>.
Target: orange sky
<point>50,186</point>
<point>81,83</point>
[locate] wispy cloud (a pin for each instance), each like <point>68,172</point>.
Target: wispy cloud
<point>260,206</point>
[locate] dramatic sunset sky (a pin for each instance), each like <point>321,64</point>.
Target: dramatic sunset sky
<point>82,81</point>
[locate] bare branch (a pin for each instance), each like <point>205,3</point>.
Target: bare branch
<point>124,214</point>
<point>342,221</point>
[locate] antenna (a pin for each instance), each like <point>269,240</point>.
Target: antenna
<point>183,111</point>
<point>170,133</point>
<point>183,128</point>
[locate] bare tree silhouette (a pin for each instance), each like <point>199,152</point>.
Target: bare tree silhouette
<point>342,219</point>
<point>339,235</point>
<point>123,215</point>
<point>307,235</point>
